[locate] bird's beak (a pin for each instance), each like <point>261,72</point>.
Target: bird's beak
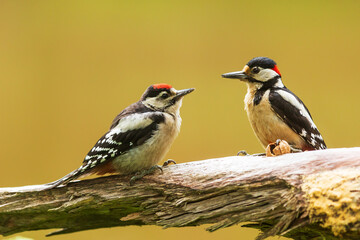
<point>242,75</point>
<point>237,75</point>
<point>181,93</point>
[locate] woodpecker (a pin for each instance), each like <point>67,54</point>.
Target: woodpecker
<point>139,137</point>
<point>273,110</point>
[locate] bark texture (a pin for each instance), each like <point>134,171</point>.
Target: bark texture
<point>302,196</point>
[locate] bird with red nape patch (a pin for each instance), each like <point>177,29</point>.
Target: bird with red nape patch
<point>275,113</point>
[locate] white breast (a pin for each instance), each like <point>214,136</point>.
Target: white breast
<point>153,150</point>
<point>267,126</point>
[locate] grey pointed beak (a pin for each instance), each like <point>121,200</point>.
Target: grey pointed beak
<point>237,75</point>
<point>183,92</point>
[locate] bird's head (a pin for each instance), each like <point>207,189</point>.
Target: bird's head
<point>258,70</point>
<point>163,97</point>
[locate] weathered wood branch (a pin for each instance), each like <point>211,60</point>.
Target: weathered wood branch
<point>307,194</point>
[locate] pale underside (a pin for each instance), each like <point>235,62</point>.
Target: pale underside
<point>267,126</point>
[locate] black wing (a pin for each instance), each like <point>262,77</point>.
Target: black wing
<point>119,140</point>
<point>130,133</point>
<point>295,114</point>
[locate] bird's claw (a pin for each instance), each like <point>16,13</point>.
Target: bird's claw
<point>141,174</point>
<point>244,153</point>
<point>166,163</point>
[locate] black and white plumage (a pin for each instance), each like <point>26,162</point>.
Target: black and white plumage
<point>273,110</point>
<point>139,137</point>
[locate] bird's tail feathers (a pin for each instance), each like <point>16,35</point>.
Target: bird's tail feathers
<point>64,180</point>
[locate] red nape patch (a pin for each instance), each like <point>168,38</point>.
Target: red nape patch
<point>276,70</point>
<point>162,86</point>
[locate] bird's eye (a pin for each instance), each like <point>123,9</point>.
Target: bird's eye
<point>164,96</point>
<point>255,70</point>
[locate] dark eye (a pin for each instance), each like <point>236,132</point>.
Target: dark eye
<point>165,95</point>
<point>255,70</point>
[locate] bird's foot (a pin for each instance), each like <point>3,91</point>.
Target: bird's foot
<point>166,163</point>
<point>279,147</point>
<point>244,153</point>
<point>141,174</point>
<point>295,150</point>
<point>258,155</point>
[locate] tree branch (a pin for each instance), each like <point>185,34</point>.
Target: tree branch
<point>314,193</point>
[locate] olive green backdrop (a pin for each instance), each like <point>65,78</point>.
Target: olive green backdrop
<point>68,67</point>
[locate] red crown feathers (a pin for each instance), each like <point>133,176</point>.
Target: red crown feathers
<point>162,86</point>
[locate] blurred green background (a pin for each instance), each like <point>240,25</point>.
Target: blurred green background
<point>68,67</point>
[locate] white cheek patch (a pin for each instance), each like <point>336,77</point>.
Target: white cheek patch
<point>293,101</point>
<point>154,102</point>
<point>265,74</point>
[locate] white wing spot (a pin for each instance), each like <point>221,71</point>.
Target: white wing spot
<point>100,149</point>
<point>113,142</point>
<point>93,164</point>
<point>303,132</point>
<point>319,136</point>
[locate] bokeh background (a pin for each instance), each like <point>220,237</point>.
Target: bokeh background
<point>68,67</point>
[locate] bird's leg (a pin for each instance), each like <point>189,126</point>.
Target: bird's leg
<point>244,153</point>
<point>143,173</point>
<point>149,171</point>
<point>168,162</point>
<point>295,150</point>
<point>258,155</point>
